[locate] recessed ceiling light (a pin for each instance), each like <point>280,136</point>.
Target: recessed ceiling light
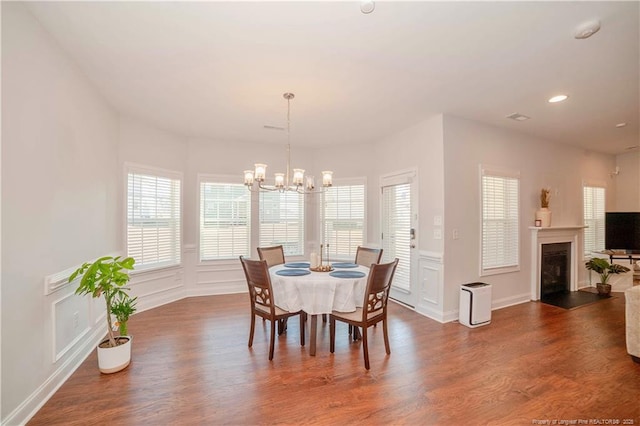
<point>621,125</point>
<point>518,117</point>
<point>367,6</point>
<point>558,98</point>
<point>587,29</point>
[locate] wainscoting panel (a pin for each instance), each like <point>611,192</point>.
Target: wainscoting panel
<point>71,319</point>
<point>431,271</point>
<point>222,277</point>
<point>158,287</point>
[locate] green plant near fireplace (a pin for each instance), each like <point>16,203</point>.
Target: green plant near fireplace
<point>605,269</point>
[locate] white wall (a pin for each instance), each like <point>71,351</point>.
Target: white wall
<point>628,182</point>
<point>562,168</point>
<point>60,207</point>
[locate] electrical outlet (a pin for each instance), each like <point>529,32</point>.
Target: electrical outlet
<point>437,220</point>
<point>437,234</point>
<point>456,234</point>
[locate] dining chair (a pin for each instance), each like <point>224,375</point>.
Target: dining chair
<point>262,303</point>
<point>273,255</point>
<point>366,256</point>
<point>374,308</point>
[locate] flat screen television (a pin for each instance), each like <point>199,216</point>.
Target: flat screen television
<point>622,231</point>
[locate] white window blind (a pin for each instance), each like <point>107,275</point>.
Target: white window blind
<point>396,231</point>
<point>225,220</point>
<point>500,223</point>
<point>343,220</point>
<point>153,217</point>
<point>594,208</point>
<point>282,221</point>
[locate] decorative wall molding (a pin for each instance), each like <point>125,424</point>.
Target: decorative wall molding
<point>431,285</point>
<point>59,280</point>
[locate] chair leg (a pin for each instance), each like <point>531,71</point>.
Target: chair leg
<point>332,334</point>
<point>273,339</point>
<point>365,347</point>
<point>324,317</point>
<point>253,328</point>
<point>302,328</point>
<point>386,336</point>
<point>350,329</point>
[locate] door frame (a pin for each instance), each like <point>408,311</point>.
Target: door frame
<point>410,176</point>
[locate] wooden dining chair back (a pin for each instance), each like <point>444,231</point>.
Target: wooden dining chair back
<point>366,256</point>
<point>262,303</point>
<point>273,255</point>
<point>374,308</point>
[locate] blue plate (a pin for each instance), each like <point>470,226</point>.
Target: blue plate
<point>292,272</point>
<point>344,265</point>
<point>347,274</point>
<point>297,265</point>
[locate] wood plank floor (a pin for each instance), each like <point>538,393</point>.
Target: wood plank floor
<point>191,366</point>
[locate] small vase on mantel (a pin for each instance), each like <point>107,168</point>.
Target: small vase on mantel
<point>544,216</point>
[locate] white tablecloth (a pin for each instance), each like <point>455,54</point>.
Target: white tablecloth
<point>318,292</point>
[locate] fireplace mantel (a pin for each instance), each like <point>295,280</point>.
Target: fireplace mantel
<point>551,235</point>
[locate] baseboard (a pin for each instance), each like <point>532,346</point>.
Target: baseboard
<point>30,406</point>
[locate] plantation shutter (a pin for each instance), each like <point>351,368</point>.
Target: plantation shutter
<point>282,221</point>
<point>225,220</point>
<point>343,220</point>
<point>153,217</point>
<point>594,209</point>
<point>500,222</point>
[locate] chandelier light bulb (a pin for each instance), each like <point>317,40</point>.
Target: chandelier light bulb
<point>248,177</point>
<point>327,178</point>
<point>261,172</point>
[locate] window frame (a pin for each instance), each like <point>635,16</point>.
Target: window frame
<point>302,217</point>
<point>594,185</point>
<point>499,172</point>
<point>348,182</point>
<point>223,179</point>
<point>142,169</point>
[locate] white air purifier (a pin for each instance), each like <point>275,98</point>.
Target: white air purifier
<point>475,304</point>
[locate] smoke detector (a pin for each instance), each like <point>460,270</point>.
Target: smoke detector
<point>587,29</point>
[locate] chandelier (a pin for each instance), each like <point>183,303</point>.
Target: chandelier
<point>254,180</point>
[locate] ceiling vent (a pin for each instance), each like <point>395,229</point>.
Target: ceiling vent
<point>518,117</point>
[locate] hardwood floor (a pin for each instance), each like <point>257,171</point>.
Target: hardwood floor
<point>191,366</point>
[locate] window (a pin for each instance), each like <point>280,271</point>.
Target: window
<point>343,219</point>
<point>153,217</point>
<point>593,199</point>
<point>282,221</point>
<point>500,222</point>
<point>225,220</point>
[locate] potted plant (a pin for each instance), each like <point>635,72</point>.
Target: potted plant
<point>106,277</point>
<point>605,270</point>
<point>122,310</point>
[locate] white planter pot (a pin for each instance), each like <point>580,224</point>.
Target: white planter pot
<point>112,360</point>
<point>544,216</point>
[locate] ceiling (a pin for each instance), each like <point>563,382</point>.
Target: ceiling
<point>217,70</point>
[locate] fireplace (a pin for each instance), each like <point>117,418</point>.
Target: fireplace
<point>555,269</point>
<point>555,254</point>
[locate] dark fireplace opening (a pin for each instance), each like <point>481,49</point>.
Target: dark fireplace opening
<point>555,271</point>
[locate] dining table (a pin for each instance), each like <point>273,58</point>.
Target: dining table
<point>296,287</point>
